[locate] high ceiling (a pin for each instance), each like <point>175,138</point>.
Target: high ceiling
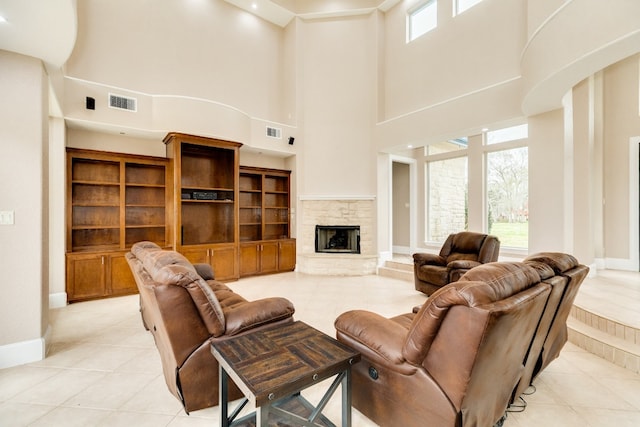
<point>280,12</point>
<point>46,29</point>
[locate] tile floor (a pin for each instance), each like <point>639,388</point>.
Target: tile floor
<point>103,368</point>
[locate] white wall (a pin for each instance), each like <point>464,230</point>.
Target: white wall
<point>24,250</point>
<point>339,83</point>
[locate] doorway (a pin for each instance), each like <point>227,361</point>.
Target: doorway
<point>403,229</point>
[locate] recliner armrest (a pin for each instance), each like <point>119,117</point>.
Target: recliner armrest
<point>257,313</point>
<point>380,340</point>
<point>426,258</point>
<point>462,264</point>
<point>205,271</point>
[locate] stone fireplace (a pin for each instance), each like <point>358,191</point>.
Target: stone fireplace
<point>349,221</point>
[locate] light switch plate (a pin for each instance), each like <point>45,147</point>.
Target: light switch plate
<point>6,218</point>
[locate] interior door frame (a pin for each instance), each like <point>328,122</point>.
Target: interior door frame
<point>634,202</point>
<point>413,199</point>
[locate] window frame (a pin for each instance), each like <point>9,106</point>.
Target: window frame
<point>438,157</point>
<point>492,148</point>
<point>413,11</point>
<point>456,7</point>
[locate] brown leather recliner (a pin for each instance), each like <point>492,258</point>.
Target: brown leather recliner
<point>186,313</point>
<point>459,253</point>
<point>457,360</point>
<point>565,274</point>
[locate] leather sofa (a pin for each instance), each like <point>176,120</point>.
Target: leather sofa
<point>186,312</point>
<point>565,275</point>
<point>459,253</point>
<point>457,361</point>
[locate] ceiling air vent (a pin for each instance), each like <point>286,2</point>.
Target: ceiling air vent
<point>274,132</point>
<point>122,102</point>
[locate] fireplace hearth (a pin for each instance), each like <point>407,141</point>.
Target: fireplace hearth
<point>342,239</point>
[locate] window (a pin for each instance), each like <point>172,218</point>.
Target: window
<point>447,146</point>
<point>508,196</point>
<point>507,134</point>
<point>447,198</point>
<point>500,194</point>
<point>422,19</point>
<point>462,5</point>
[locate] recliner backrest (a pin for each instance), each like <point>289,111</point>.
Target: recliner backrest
<point>461,324</point>
<point>471,246</point>
<point>172,268</point>
<point>567,266</point>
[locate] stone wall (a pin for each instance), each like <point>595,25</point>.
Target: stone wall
<point>329,211</point>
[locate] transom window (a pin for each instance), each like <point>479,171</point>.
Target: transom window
<point>422,19</point>
<point>462,5</point>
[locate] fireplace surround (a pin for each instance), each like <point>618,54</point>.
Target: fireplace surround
<point>337,211</point>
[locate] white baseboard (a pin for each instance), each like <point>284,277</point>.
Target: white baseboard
<point>58,300</point>
<point>23,352</point>
<point>620,264</point>
<point>404,250</point>
<point>383,257</point>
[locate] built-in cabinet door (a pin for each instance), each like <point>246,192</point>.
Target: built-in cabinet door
<point>121,280</point>
<point>287,255</point>
<point>196,255</point>
<point>269,257</point>
<point>222,258</point>
<point>249,259</point>
<point>85,277</point>
<point>97,275</point>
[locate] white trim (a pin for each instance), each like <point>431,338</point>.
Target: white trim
<point>634,213</point>
<point>542,25</point>
<point>335,197</point>
<point>383,257</point>
<point>19,353</point>
<point>413,198</point>
<point>58,300</point>
<point>620,264</point>
<point>449,100</point>
<point>170,96</point>
<point>404,250</point>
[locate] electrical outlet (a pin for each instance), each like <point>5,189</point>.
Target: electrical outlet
<point>6,218</point>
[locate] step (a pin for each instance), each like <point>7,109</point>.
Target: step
<point>399,265</point>
<point>397,270</point>
<point>396,274</point>
<point>614,342</point>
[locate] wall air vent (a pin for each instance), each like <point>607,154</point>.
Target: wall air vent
<point>274,132</point>
<point>122,102</point>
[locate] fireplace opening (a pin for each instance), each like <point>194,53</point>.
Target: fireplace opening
<point>344,239</point>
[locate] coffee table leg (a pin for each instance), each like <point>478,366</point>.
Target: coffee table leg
<point>346,398</point>
<point>262,415</point>
<point>223,397</point>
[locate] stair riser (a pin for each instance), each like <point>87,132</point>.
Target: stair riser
<point>612,354</point>
<point>618,330</point>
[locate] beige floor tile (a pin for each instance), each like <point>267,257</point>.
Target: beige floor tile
<point>544,415</point>
<point>154,398</point>
<point>137,419</point>
<point>103,368</point>
<point>582,390</point>
<point>71,417</point>
<point>14,381</point>
<point>16,414</point>
<point>111,392</point>
<point>60,387</point>
<point>599,417</point>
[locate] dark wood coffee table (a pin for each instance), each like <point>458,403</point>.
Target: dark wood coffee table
<point>272,366</point>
